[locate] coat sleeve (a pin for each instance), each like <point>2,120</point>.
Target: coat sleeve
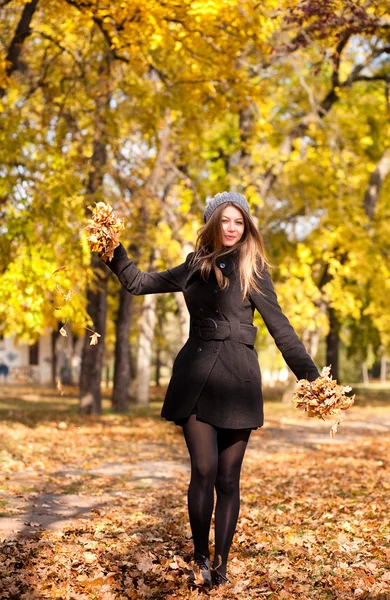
<point>138,283</point>
<point>292,349</point>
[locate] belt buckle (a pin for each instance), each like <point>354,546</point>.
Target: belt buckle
<point>212,333</point>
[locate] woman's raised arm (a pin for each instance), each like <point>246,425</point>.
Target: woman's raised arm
<point>138,283</point>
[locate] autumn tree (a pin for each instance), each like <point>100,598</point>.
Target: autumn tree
<point>285,102</point>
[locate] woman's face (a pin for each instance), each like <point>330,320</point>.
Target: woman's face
<point>232,225</point>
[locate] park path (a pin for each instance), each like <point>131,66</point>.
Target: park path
<point>29,513</point>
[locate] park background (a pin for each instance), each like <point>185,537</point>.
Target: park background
<point>152,107</point>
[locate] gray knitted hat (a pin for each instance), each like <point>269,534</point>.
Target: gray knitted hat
<point>222,198</point>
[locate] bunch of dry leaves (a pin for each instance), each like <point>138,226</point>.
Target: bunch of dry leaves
<point>102,230</point>
<point>323,398</point>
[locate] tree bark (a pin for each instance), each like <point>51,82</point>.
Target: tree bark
<point>158,367</point>
<point>23,30</point>
<point>383,368</point>
<point>92,356</point>
<point>122,368</point>
<point>144,358</point>
<point>54,338</point>
<point>377,177</point>
<point>148,319</point>
<point>366,379</point>
<point>333,342</point>
<point>291,388</point>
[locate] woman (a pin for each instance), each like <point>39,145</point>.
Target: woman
<point>215,390</point>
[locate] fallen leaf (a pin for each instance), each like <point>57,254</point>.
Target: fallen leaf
<point>94,338</point>
<point>59,386</point>
<point>146,563</point>
<point>89,557</point>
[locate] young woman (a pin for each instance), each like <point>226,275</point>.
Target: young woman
<point>215,390</point>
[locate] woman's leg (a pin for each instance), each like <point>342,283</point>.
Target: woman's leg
<point>231,449</point>
<point>201,440</point>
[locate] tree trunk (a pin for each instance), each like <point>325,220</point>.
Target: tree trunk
<point>311,341</point>
<point>92,356</point>
<point>139,389</point>
<point>333,342</point>
<point>75,359</point>
<point>290,389</point>
<point>23,30</point>
<point>158,367</point>
<point>377,177</point>
<point>144,358</point>
<point>366,379</point>
<point>159,348</point>
<point>54,338</point>
<point>383,368</point>
<point>122,368</point>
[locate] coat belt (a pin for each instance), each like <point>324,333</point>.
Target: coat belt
<point>210,329</point>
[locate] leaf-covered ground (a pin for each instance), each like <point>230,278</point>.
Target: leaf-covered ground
<point>96,508</point>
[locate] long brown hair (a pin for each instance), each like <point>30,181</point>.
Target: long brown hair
<point>209,246</point>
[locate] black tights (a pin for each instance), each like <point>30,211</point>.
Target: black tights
<point>216,458</point>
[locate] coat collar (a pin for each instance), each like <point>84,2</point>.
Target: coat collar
<point>226,263</point>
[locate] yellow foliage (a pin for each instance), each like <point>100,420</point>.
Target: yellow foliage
<point>203,63</point>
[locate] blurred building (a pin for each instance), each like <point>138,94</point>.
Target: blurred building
<point>23,363</point>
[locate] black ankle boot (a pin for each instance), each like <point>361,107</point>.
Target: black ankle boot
<point>217,578</point>
<point>200,574</point>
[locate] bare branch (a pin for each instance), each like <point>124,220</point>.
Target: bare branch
<point>378,77</point>
<point>57,43</point>
<point>377,177</point>
<point>155,174</point>
<point>324,107</point>
<point>22,32</point>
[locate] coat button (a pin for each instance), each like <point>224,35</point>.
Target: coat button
<point>201,310</point>
<point>215,291</point>
<point>215,350</point>
<point>199,349</point>
<point>217,312</point>
<point>222,265</point>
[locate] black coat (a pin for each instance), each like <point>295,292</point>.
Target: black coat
<point>217,370</point>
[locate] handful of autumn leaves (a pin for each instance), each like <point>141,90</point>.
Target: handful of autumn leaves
<point>102,234</point>
<point>323,398</point>
<point>102,230</point>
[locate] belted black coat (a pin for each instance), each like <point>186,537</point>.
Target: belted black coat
<point>217,373</point>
